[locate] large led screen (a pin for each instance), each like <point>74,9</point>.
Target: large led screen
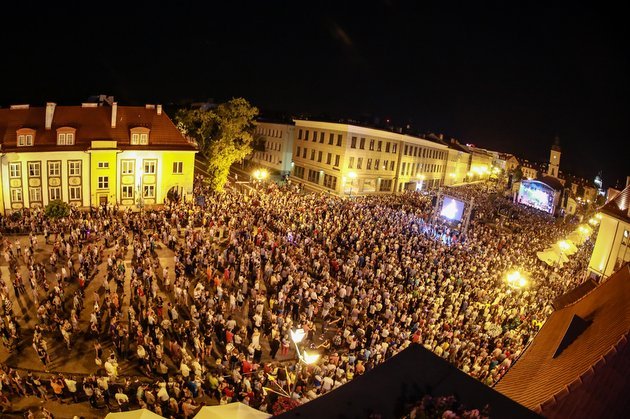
<point>536,195</point>
<point>452,209</point>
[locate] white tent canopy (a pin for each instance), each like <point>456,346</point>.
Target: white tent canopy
<point>134,414</point>
<point>236,410</point>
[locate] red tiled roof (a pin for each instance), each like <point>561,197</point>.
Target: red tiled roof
<point>91,123</point>
<point>618,206</point>
<point>591,375</point>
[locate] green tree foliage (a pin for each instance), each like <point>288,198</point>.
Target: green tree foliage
<point>517,175</point>
<point>57,209</point>
<point>224,135</point>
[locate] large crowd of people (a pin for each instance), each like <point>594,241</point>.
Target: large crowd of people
<point>363,277</point>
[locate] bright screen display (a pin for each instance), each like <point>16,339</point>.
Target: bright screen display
<point>452,209</point>
<point>536,195</point>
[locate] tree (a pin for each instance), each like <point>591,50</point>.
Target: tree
<point>224,135</point>
<point>57,209</point>
<point>517,175</point>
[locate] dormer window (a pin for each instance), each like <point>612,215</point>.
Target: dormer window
<point>65,136</point>
<point>139,136</point>
<point>25,137</point>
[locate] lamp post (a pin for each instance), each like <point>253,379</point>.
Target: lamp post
<point>352,176</point>
<point>297,336</point>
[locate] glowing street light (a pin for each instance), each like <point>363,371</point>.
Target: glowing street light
<point>298,335</point>
<point>352,176</point>
<point>516,280</point>
<point>564,245</point>
<point>309,359</point>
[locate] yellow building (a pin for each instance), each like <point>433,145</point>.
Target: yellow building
<point>91,155</point>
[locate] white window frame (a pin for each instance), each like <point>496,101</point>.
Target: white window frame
<point>127,167</point>
<point>15,170</point>
<point>152,164</point>
<point>16,195</point>
<point>74,193</point>
<point>124,192</point>
<point>34,169</point>
<point>146,189</point>
<point>74,170</point>
<point>54,193</point>
<point>135,139</point>
<point>35,194</point>
<point>144,139</point>
<point>25,140</point>
<point>54,168</point>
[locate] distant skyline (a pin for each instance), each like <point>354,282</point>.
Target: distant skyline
<point>507,77</point>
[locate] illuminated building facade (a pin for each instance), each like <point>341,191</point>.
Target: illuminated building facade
<point>275,146</point>
<point>91,155</point>
<point>347,159</point>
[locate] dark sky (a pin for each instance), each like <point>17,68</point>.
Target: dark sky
<point>504,75</point>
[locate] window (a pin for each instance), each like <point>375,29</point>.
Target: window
<point>74,168</point>
<point>350,162</point>
<point>319,157</point>
<point>362,143</point>
<point>15,169</point>
<point>369,164</point>
<point>127,167</point>
<point>387,147</point>
<point>394,148</point>
<point>359,162</point>
<point>103,182</point>
<point>331,138</point>
<point>321,137</point>
<point>75,193</point>
<point>371,145</point>
<point>391,165</point>
<point>178,167</point>
<point>379,146</point>
<point>149,167</point>
<point>404,167</point>
<point>65,138</point>
<point>35,194</point>
<point>54,193</point>
<point>103,165</point>
<point>25,140</point>
<point>330,182</point>
<point>304,153</point>
<point>338,140</point>
<point>406,149</point>
<point>313,155</point>
<point>306,136</point>
<point>148,191</point>
<point>353,143</point>
<point>328,158</point>
<point>34,169</point>
<point>300,134</point>
<point>135,139</point>
<point>298,172</point>
<point>386,185</point>
<point>298,151</point>
<point>377,164</point>
<point>385,164</point>
<point>54,168</point>
<point>127,192</point>
<point>313,176</point>
<point>16,195</point>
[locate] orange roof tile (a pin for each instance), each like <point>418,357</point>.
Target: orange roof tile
<point>91,123</point>
<point>590,376</point>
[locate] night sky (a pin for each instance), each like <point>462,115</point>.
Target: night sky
<point>508,76</point>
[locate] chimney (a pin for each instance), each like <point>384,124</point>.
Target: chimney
<point>159,109</point>
<point>50,111</point>
<point>114,112</point>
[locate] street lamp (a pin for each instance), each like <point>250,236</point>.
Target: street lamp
<point>297,336</point>
<point>563,246</point>
<point>352,176</point>
<point>421,184</point>
<point>516,280</point>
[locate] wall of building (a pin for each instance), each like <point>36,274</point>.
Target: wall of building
<point>610,239</point>
<point>278,152</point>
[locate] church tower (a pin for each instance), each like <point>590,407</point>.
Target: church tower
<point>554,159</point>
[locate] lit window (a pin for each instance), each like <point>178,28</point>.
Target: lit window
<point>54,168</point>
<point>35,194</point>
<point>74,168</point>
<point>127,192</point>
<point>149,166</point>
<point>144,139</point>
<point>16,195</point>
<point>25,140</point>
<point>127,167</point>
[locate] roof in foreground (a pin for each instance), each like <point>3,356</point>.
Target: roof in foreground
<point>91,123</point>
<point>619,206</point>
<point>405,379</point>
<point>579,363</point>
